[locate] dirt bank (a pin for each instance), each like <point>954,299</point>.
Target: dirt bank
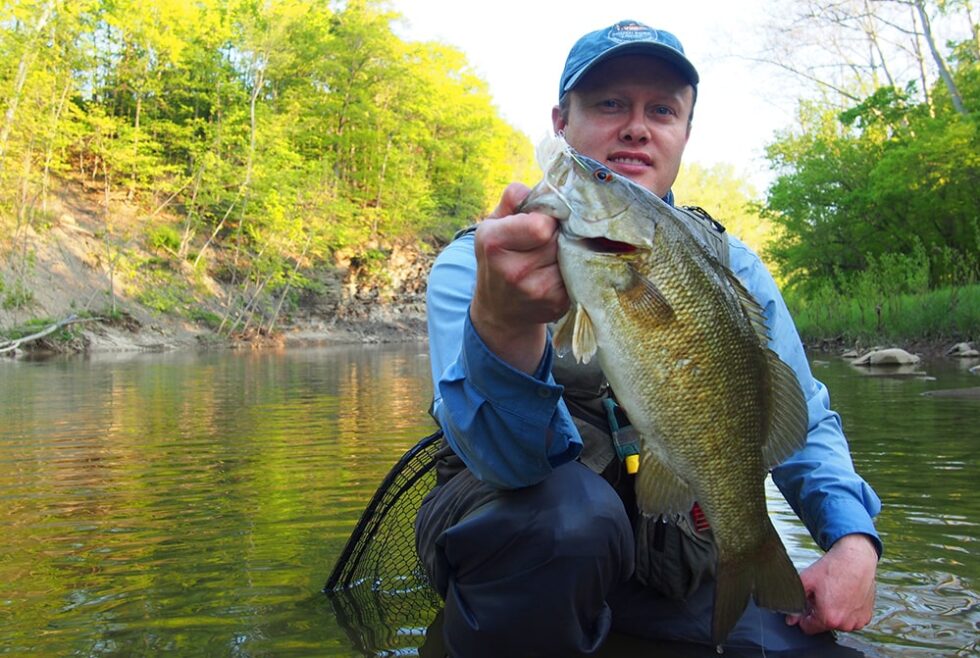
<point>69,265</point>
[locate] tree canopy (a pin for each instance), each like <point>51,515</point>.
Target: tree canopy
<point>263,122</point>
<point>882,165</point>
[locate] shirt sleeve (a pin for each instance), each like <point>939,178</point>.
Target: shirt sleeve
<point>819,480</point>
<point>509,428</point>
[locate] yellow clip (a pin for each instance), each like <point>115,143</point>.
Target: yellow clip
<point>632,464</point>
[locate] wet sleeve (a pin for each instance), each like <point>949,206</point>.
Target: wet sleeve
<point>819,480</point>
<point>510,428</point>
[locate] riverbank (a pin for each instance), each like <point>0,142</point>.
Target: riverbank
<point>115,289</point>
<point>132,295</point>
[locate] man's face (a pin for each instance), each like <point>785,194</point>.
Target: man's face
<point>632,114</point>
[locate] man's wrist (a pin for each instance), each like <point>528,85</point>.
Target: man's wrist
<point>858,544</point>
<point>520,346</point>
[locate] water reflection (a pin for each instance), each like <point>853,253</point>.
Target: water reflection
<point>196,502</point>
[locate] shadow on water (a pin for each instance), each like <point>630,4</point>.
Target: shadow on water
<point>382,626</point>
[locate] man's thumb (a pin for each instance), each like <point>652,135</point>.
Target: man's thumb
<point>514,194</point>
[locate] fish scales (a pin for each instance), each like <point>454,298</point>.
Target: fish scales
<point>683,346</point>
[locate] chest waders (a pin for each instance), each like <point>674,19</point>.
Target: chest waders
<point>675,552</point>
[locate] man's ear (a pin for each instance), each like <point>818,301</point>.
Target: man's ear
<point>557,122</point>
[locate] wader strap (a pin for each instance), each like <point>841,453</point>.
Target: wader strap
<point>625,438</point>
<point>711,232</point>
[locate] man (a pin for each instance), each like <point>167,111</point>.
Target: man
<point>533,551</point>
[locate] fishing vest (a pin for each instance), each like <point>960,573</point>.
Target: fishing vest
<point>675,553</point>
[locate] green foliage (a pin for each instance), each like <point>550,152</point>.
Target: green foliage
<point>16,296</point>
<point>163,237</point>
<point>206,317</point>
<point>275,127</point>
<point>943,314</point>
<point>164,292</point>
<point>885,177</point>
<point>889,300</point>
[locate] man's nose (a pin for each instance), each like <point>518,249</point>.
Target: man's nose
<point>635,129</point>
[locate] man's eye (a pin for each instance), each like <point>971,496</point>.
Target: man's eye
<point>663,110</point>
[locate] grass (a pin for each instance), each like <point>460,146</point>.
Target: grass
<point>947,314</point>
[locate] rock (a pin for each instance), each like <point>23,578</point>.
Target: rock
<point>887,357</point>
<point>850,354</point>
<point>962,350</point>
<point>972,393</point>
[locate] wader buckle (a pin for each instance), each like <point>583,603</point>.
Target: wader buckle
<point>624,436</point>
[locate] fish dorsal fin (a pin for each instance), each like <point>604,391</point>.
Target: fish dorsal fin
<point>750,307</point>
<point>584,344</point>
<point>788,420</point>
<point>659,490</point>
<point>643,298</point>
<point>788,417</point>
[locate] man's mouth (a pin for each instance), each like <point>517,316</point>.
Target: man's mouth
<point>630,159</point>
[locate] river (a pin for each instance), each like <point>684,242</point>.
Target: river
<point>196,503</point>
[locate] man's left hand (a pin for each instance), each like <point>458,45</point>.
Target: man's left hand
<point>840,587</point>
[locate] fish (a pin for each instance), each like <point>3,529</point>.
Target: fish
<point>684,346</point>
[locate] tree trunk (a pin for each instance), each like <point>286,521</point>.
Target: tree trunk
<point>954,92</point>
<point>21,78</point>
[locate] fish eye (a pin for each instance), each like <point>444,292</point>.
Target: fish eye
<point>602,175</point>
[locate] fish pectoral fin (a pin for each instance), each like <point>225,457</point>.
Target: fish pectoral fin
<point>645,299</point>
<point>659,490</point>
<point>561,338</point>
<point>584,345</point>
<point>788,416</point>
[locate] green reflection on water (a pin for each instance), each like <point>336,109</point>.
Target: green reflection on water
<point>192,503</point>
<point>196,503</point>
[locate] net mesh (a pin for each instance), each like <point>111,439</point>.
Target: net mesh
<point>378,587</point>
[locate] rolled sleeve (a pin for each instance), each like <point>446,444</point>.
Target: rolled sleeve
<point>819,480</point>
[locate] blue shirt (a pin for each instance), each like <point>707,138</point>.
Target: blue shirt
<point>511,429</point>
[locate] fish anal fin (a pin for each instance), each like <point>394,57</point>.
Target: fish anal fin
<point>643,298</point>
<point>788,414</point>
<point>659,490</point>
<point>584,344</point>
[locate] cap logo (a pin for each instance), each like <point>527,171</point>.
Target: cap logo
<point>626,32</point>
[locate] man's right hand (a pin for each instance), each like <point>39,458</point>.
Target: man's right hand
<point>518,286</point>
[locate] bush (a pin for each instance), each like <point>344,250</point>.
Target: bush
<point>164,237</point>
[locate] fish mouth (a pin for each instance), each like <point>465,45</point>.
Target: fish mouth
<point>597,244</point>
<point>607,246</point>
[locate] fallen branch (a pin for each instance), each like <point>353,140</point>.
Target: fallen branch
<point>11,345</point>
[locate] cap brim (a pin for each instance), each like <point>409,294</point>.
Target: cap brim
<point>658,50</point>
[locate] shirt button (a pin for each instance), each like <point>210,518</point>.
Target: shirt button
<point>544,392</point>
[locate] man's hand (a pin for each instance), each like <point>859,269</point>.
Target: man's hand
<point>518,286</point>
<point>840,587</point>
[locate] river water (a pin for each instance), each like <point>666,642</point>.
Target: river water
<point>195,503</point>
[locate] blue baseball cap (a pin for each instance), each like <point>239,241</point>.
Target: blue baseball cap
<point>625,37</point>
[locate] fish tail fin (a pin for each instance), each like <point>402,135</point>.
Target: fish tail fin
<point>768,576</point>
